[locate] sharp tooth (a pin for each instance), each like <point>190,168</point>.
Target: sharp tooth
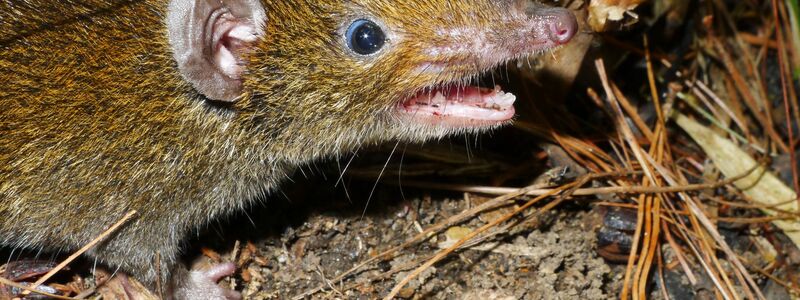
<point>508,99</point>
<point>504,99</point>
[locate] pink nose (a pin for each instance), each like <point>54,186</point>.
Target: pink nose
<point>563,26</point>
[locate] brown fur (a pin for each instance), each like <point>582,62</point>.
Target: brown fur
<point>95,121</point>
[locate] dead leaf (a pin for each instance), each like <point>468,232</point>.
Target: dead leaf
<point>121,287</point>
<point>761,185</point>
<point>603,11</point>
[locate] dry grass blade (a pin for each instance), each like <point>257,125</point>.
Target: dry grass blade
<point>750,100</point>
<point>645,202</point>
<point>787,88</point>
<point>607,190</point>
<point>700,216</point>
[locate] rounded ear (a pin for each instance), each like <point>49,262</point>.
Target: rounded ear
<point>208,38</point>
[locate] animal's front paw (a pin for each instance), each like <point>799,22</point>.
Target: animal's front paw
<point>202,284</point>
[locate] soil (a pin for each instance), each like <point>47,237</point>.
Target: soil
<point>554,259</point>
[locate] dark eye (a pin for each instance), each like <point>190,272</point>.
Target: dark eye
<point>365,37</point>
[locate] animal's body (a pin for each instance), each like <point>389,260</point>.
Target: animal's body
<point>186,111</point>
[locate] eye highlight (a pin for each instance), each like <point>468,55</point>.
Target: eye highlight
<point>364,37</point>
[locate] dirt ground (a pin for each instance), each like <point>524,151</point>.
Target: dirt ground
<point>552,259</point>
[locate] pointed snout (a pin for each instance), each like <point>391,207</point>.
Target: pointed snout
<point>555,25</point>
<point>562,26</point>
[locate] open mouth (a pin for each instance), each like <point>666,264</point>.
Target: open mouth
<point>459,106</point>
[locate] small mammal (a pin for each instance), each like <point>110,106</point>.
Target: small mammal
<point>189,110</point>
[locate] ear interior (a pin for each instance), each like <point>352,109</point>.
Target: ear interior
<point>208,38</point>
<point>231,39</point>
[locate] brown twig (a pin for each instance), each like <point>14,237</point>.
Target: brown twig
<point>80,252</point>
<point>31,289</point>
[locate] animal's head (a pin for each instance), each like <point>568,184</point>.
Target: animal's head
<point>328,74</point>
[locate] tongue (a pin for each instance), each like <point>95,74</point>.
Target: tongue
<point>459,106</point>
